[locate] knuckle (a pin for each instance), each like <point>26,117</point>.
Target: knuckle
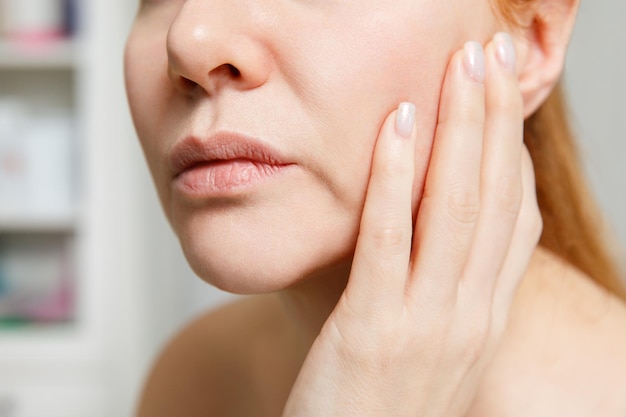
<point>390,237</point>
<point>508,194</point>
<point>472,118</point>
<point>474,343</point>
<point>507,100</point>
<point>463,206</point>
<point>509,103</point>
<point>472,352</point>
<point>390,172</point>
<point>467,114</point>
<point>499,326</point>
<point>376,346</point>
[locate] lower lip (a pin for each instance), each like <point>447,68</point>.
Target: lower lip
<point>219,178</point>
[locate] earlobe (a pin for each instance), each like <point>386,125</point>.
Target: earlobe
<point>542,45</point>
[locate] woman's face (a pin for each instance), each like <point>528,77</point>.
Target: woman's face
<point>290,94</point>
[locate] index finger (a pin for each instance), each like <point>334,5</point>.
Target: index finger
<point>381,260</point>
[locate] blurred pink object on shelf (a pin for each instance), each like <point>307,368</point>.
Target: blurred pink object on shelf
<point>58,306</point>
<point>31,25</point>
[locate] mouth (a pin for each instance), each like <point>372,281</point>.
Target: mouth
<point>222,165</point>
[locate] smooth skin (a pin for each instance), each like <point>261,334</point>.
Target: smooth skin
<point>430,318</point>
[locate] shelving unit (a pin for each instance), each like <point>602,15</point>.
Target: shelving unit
<point>49,223</point>
<point>52,365</point>
<point>60,55</point>
<point>38,79</point>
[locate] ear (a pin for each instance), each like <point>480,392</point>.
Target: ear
<point>542,46</point>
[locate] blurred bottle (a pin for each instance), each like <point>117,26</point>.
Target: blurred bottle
<point>13,156</point>
<point>33,22</point>
<point>70,17</point>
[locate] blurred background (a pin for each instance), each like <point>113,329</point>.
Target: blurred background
<point>92,281</point>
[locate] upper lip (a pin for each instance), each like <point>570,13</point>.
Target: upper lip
<point>222,146</point>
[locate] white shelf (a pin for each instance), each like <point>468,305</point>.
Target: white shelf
<point>55,55</point>
<point>62,222</point>
<point>94,365</point>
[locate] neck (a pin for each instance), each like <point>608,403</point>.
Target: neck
<point>308,304</point>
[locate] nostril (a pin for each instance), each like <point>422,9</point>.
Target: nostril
<point>185,85</point>
<point>225,71</point>
<point>217,76</point>
<point>233,71</point>
<point>188,84</point>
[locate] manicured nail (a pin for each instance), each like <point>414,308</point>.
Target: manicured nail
<point>474,61</point>
<point>505,51</point>
<point>405,120</point>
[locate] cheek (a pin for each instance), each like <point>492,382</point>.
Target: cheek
<point>362,84</point>
<point>142,69</point>
<point>149,95</point>
<point>147,83</point>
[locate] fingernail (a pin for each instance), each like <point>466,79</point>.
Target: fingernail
<point>505,51</point>
<point>405,119</point>
<point>474,61</point>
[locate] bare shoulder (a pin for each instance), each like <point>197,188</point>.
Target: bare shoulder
<point>564,352</point>
<point>202,370</point>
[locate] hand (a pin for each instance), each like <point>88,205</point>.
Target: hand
<point>425,306</point>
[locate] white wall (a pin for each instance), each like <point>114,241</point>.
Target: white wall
<point>597,86</point>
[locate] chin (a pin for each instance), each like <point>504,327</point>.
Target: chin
<point>260,269</point>
<point>255,252</point>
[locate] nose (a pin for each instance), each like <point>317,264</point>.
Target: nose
<point>211,48</point>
